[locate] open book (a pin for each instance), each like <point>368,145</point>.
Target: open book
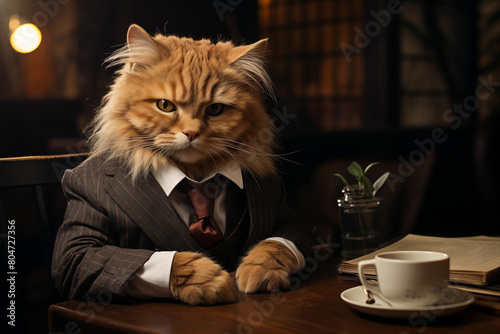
<point>473,260</point>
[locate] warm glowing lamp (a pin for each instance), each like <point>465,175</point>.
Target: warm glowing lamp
<point>26,38</point>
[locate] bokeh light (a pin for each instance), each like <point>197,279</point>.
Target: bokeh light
<point>26,38</point>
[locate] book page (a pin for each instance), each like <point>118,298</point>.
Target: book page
<point>479,254</point>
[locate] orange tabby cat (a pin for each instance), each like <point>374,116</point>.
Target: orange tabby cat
<point>189,76</point>
<point>197,106</point>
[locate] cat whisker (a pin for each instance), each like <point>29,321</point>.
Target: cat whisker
<point>279,156</point>
<point>228,151</point>
<point>236,145</point>
<point>145,142</point>
<point>235,157</point>
<point>213,159</point>
<point>229,154</point>
<point>241,163</point>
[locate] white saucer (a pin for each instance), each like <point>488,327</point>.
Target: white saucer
<point>457,300</point>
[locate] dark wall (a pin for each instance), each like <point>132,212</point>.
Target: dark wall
<point>27,126</point>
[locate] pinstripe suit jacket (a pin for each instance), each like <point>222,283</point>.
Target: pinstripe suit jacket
<point>113,226</point>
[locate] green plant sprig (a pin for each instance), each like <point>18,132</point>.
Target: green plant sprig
<point>369,188</point>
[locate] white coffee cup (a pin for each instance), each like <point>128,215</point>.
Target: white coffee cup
<point>408,278</point>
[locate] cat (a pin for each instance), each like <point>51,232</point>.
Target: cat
<point>199,73</point>
<point>199,106</point>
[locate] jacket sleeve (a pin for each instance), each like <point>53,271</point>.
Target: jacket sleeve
<point>286,224</point>
<point>87,260</point>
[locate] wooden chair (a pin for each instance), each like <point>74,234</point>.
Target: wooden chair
<point>31,209</point>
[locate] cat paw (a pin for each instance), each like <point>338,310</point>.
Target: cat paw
<point>267,267</point>
<point>196,280</point>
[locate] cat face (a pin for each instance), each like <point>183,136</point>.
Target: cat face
<point>190,103</point>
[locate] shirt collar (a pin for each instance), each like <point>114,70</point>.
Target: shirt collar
<point>169,176</point>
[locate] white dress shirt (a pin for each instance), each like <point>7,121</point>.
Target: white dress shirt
<point>153,278</point>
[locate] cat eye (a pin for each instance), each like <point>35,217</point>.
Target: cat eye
<point>215,109</point>
<point>165,105</point>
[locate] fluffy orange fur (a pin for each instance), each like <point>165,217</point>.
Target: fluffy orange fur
<point>195,279</point>
<point>193,75</point>
<point>267,267</point>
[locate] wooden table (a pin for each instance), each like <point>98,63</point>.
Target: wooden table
<point>313,306</point>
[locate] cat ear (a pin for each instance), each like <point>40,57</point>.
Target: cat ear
<point>250,60</point>
<point>249,51</point>
<point>143,50</point>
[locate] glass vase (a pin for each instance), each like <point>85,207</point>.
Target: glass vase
<point>359,219</point>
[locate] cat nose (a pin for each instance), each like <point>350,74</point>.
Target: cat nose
<point>191,134</point>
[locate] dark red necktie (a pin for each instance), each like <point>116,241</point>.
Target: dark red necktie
<point>204,230</point>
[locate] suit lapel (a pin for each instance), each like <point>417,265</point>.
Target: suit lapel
<point>236,204</point>
<point>260,212</point>
<point>148,206</point>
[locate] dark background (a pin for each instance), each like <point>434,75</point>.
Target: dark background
<point>366,110</point>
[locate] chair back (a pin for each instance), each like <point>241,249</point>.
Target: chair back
<point>35,172</point>
<point>32,206</point>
